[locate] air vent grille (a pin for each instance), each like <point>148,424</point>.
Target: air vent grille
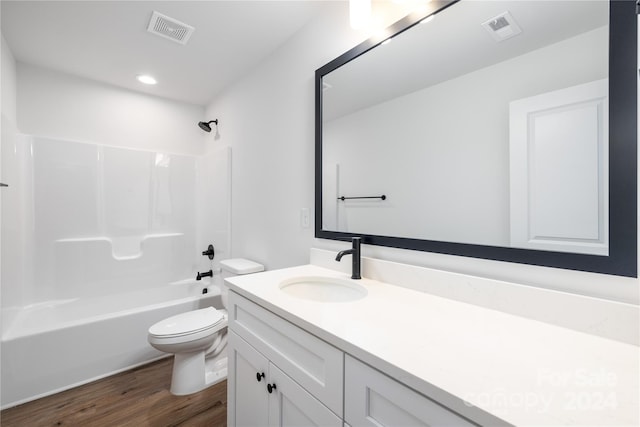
<point>170,28</point>
<point>502,27</point>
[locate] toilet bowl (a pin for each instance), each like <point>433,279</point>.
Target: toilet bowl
<point>198,338</point>
<point>189,336</point>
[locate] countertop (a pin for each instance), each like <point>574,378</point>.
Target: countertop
<point>489,366</point>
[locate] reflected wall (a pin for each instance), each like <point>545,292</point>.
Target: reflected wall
<point>441,154</point>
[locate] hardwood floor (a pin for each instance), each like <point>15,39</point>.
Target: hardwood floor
<point>139,397</point>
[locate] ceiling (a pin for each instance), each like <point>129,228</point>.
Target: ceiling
<point>107,41</point>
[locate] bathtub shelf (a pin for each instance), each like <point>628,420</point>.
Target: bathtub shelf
<point>122,248</point>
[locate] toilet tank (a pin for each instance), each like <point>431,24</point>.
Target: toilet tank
<point>236,267</point>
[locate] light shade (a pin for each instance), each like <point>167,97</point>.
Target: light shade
<point>359,13</point>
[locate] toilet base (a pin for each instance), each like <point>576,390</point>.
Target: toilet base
<point>216,370</point>
<point>193,373</point>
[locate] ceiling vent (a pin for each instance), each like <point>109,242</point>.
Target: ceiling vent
<point>170,28</point>
<point>502,27</point>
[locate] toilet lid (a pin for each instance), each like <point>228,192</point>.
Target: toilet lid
<point>187,323</point>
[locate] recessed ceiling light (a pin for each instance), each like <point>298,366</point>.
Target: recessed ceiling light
<point>146,79</point>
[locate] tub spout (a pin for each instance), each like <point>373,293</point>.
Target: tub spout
<point>205,274</point>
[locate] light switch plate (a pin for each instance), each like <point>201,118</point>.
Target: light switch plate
<point>305,219</point>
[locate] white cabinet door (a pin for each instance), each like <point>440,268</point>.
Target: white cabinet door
<point>311,362</point>
<point>248,403</point>
<point>374,400</point>
<point>292,406</point>
<point>270,400</point>
<point>558,166</point>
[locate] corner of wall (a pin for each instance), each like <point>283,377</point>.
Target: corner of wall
<point>8,82</point>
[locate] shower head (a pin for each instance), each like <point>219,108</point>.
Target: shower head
<point>206,126</point>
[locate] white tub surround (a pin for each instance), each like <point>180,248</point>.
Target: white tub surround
<point>488,366</point>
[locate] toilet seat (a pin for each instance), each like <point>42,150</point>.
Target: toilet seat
<point>184,324</point>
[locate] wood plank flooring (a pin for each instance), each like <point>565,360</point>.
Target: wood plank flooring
<point>139,397</point>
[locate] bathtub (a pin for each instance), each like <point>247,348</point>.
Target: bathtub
<point>56,345</point>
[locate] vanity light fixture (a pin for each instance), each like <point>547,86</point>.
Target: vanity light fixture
<point>422,6</point>
<point>146,79</point>
<point>359,13</point>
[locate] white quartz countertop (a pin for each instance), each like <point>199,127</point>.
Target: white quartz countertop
<point>492,367</point>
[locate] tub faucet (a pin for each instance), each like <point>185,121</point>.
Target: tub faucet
<point>355,257</point>
<point>210,252</point>
<point>205,274</point>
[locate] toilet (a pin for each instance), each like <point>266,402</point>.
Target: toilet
<point>198,338</point>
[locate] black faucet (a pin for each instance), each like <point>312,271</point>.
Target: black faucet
<point>206,274</point>
<point>210,252</point>
<point>355,257</point>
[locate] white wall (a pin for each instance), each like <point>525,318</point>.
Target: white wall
<point>66,107</point>
<point>268,119</point>
<point>8,85</point>
<point>7,130</point>
<point>8,118</point>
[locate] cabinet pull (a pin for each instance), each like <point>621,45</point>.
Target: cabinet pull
<point>259,376</point>
<point>271,387</point>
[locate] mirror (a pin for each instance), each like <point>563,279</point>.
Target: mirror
<point>503,130</point>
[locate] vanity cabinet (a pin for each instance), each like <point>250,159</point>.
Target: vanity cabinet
<point>281,375</point>
<point>374,399</point>
<point>303,378</point>
<point>263,395</point>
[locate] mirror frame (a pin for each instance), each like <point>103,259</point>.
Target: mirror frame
<point>622,259</point>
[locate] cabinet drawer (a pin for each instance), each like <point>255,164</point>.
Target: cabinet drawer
<point>311,362</point>
<point>374,399</point>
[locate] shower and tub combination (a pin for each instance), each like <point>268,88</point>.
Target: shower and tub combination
<point>99,243</point>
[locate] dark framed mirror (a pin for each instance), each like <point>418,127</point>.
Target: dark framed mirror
<point>501,130</point>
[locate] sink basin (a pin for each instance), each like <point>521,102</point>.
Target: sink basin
<point>323,289</point>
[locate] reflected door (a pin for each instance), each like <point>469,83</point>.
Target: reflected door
<point>559,158</point>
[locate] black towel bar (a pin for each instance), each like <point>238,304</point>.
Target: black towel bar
<point>343,198</point>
